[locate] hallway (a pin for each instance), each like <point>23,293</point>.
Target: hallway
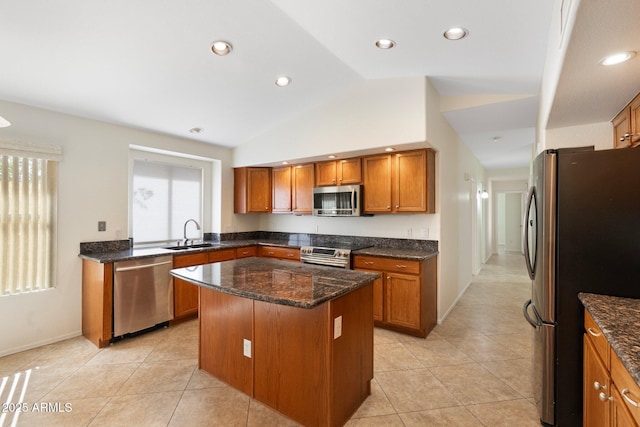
<point>473,370</point>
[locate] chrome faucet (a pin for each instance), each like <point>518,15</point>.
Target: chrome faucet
<point>186,240</point>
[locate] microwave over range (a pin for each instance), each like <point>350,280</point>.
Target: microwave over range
<point>341,200</point>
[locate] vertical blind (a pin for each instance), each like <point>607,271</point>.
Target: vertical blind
<point>28,208</point>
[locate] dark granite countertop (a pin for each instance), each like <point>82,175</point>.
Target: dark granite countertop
<point>408,254</point>
<point>147,252</point>
<point>619,320</point>
<point>275,281</point>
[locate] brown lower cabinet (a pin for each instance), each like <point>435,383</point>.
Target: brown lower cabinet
<point>97,288</point>
<point>97,302</point>
<point>185,294</point>
<point>289,254</point>
<point>604,377</point>
<point>405,297</point>
<point>294,364</point>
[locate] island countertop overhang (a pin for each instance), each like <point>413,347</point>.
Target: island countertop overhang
<point>279,282</point>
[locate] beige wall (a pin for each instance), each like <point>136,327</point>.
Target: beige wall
<point>93,186</point>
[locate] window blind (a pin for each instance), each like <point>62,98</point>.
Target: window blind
<point>28,217</point>
<point>164,196</point>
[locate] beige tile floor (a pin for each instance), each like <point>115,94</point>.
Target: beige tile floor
<point>472,370</point>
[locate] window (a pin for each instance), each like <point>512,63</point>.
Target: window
<point>28,210</point>
<point>164,197</point>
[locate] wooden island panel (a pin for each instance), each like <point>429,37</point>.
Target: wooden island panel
<point>292,360</point>
<point>225,322</point>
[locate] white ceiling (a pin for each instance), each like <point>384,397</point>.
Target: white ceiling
<point>147,64</point>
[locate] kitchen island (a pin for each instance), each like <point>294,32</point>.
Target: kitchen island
<point>298,338</point>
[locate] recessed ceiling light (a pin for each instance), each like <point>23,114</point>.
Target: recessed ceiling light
<point>4,122</point>
<point>196,130</point>
<point>283,81</point>
<point>285,163</point>
<point>455,33</point>
<point>221,48</point>
<point>617,58</point>
<point>385,43</point>
<point>332,156</point>
<point>389,149</point>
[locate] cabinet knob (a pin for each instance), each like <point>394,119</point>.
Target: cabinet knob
<point>388,207</point>
<point>603,397</point>
<point>388,277</point>
<point>397,206</point>
<point>599,386</point>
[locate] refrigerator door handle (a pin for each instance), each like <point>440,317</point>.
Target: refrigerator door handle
<point>531,267</point>
<point>525,310</point>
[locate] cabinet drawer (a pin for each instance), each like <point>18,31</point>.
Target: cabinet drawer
<point>597,338</point>
<point>247,252</point>
<point>628,388</point>
<point>191,259</point>
<point>386,264</point>
<point>223,255</point>
<point>278,252</point>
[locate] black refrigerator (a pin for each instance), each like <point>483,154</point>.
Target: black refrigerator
<point>582,234</point>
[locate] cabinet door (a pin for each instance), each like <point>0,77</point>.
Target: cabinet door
<point>349,171</point>
<point>621,128</point>
<point>247,252</point>
<point>410,190</point>
<point>596,389</point>
<point>303,189</point>
<point>185,294</point>
<point>326,173</point>
<point>377,184</point>
<point>620,415</point>
<point>222,255</point>
<point>378,295</point>
<point>281,197</point>
<point>251,190</point>
<point>289,254</point>
<point>634,112</point>
<point>402,305</point>
<point>258,190</point>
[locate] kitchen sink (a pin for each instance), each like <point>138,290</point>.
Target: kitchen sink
<point>196,246</point>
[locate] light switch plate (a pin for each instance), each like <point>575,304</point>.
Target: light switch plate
<point>337,327</point>
<point>102,225</point>
<point>247,348</point>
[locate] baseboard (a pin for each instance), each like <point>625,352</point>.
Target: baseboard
<point>40,343</point>
<point>455,302</point>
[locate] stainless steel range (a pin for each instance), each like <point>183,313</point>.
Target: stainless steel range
<point>337,256</point>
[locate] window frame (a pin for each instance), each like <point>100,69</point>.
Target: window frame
<point>177,159</point>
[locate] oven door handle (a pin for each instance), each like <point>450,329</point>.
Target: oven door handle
<point>525,310</point>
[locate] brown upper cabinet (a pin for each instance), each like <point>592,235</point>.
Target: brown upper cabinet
<point>302,183</point>
<point>252,190</point>
<point>626,125</point>
<point>402,182</point>
<point>281,198</point>
<point>339,172</point>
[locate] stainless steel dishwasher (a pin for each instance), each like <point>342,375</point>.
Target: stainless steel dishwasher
<point>142,294</point>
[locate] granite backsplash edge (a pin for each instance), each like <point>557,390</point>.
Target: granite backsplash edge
<point>295,239</point>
